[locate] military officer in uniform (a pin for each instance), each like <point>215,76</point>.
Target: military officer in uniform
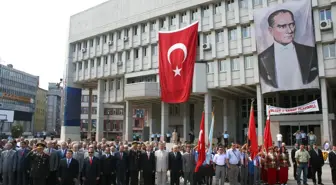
<point>39,170</point>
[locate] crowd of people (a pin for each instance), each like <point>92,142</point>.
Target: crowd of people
<point>33,162</point>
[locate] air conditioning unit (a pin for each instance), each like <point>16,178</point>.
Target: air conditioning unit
<point>119,63</point>
<point>325,24</point>
<point>125,39</point>
<point>110,43</point>
<point>206,46</point>
<point>83,50</point>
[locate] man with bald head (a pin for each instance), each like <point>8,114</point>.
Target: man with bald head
<point>8,163</point>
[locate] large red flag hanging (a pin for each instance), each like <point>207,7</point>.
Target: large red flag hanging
<point>177,55</point>
<point>267,133</point>
<point>252,134</point>
<point>201,145</point>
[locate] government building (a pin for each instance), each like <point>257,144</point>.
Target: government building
<point>113,47</point>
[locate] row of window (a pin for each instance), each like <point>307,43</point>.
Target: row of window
<point>109,125</point>
<point>329,50</point>
<point>114,111</point>
<point>111,84</point>
<point>85,98</point>
<point>40,111</point>
<point>235,64</point>
<point>21,85</point>
<point>17,76</point>
<point>147,78</point>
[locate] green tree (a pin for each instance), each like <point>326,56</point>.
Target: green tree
<point>17,130</point>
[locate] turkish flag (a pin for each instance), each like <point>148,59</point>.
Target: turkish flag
<point>267,133</point>
<point>201,145</point>
<point>177,55</point>
<point>252,134</point>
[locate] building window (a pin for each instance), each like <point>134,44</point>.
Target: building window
<point>248,62</point>
<point>210,67</point>
<point>232,34</point>
<point>172,20</point>
<point>73,47</point>
<point>126,32</point>
<point>79,45</point>
<point>207,37</point>
<point>91,43</point>
<point>329,50</point>
<point>98,61</point>
<point>85,44</point>
<point>183,17</point>
<point>162,23</point>
<point>144,51</point>
<point>112,58</point>
<point>136,53</point>
<point>143,28</point>
<point>111,83</point>
<point>206,11</point>
<point>219,36</point>
<point>98,41</point>
<point>325,14</point>
<point>119,34</point>
<point>154,50</point>
<point>111,37</point>
<point>174,110</point>
<point>243,4</point>
<point>230,5</point>
<point>104,39</point>
<point>234,64</point>
<point>128,55</point>
<point>135,30</point>
<point>118,84</point>
<point>105,60</point>
<point>84,110</point>
<point>222,66</point>
<point>120,111</point>
<point>246,31</point>
<point>94,110</point>
<point>218,8</point>
<point>194,14</point>
<point>119,57</point>
<point>257,2</point>
<point>152,25</point>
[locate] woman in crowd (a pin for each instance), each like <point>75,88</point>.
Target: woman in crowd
<point>284,165</point>
<point>271,166</point>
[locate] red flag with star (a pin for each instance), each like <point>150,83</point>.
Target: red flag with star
<point>177,55</point>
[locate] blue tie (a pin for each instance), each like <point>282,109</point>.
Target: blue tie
<point>68,163</point>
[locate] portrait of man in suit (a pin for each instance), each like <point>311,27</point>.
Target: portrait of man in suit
<point>287,64</point>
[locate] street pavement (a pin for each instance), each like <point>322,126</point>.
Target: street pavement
<point>326,176</point>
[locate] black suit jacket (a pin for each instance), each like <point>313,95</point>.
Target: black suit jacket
<point>68,173</point>
<point>122,163</point>
<point>293,155</point>
<point>108,164</point>
<point>147,164</point>
<point>133,160</point>
<point>91,171</point>
<point>307,61</point>
<point>332,160</point>
<point>316,161</point>
<point>175,163</point>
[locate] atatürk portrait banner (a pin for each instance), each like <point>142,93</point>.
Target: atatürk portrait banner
<point>286,47</point>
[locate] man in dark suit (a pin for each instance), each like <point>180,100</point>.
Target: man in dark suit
<point>68,170</point>
<point>286,64</point>
<point>133,164</point>
<point>147,165</point>
<point>294,160</point>
<point>91,169</point>
<point>39,170</point>
<point>332,163</point>
<point>108,167</point>
<point>316,163</point>
<point>175,166</point>
<point>22,164</point>
<point>54,160</point>
<point>122,166</point>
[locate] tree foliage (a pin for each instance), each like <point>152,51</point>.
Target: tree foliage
<point>17,130</point>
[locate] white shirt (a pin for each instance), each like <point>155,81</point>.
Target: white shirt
<point>219,159</point>
<point>279,137</point>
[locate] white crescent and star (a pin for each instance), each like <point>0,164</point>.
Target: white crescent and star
<point>174,47</point>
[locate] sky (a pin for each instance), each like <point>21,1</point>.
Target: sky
<point>34,33</point>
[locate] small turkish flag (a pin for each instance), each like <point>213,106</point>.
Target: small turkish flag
<point>177,55</point>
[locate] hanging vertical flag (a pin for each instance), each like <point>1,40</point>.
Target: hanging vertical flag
<point>209,153</point>
<point>201,145</point>
<point>267,133</point>
<point>252,134</point>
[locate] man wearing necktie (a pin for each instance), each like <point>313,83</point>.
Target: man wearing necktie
<point>23,164</point>
<point>316,162</point>
<point>286,64</point>
<point>69,170</point>
<point>133,164</point>
<point>108,167</point>
<point>91,169</point>
<point>188,165</point>
<point>122,165</point>
<point>175,166</point>
<point>147,165</point>
<point>244,166</point>
<point>63,150</point>
<point>54,161</point>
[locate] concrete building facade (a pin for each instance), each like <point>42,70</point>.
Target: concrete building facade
<point>113,47</point>
<point>18,93</point>
<point>40,110</point>
<point>54,97</point>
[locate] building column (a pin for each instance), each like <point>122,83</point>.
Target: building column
<point>100,110</point>
<point>89,134</point>
<point>164,119</point>
<point>150,119</point>
<point>208,115</point>
<point>225,114</point>
<point>128,121</point>
<point>186,121</point>
<point>260,108</point>
<point>325,131</point>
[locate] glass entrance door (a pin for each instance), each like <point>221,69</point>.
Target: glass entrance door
<point>288,131</point>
